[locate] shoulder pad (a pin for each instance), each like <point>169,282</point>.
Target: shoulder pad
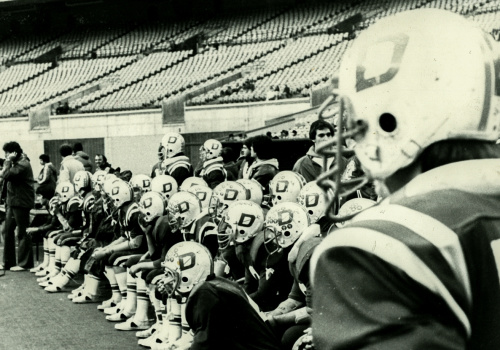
<point>74,204</point>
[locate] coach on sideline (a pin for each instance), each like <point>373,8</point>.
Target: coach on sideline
<point>18,175</point>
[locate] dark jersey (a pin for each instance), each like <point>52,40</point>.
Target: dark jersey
<point>418,271</point>
<point>128,219</point>
<point>161,238</point>
<point>221,317</point>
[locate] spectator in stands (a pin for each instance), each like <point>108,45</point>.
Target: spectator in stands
<point>230,165</point>
<point>269,134</point>
<point>231,137</point>
<point>47,179</point>
<point>81,156</point>
<point>285,91</point>
<point>294,133</point>
<point>248,85</point>
<point>18,175</point>
<point>59,109</point>
<point>245,160</point>
<point>311,165</point>
<point>272,94</point>
<point>69,165</point>
<point>265,166</point>
<point>157,168</point>
<point>66,109</point>
<point>284,134</point>
<point>101,163</point>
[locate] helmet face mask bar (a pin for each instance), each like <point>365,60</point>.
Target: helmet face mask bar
<point>330,180</point>
<point>271,239</point>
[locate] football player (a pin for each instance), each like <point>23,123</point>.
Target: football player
<point>176,164</point>
<point>212,312</point>
<point>213,171</point>
<point>420,94</point>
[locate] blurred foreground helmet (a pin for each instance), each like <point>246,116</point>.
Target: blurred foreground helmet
<point>417,78</point>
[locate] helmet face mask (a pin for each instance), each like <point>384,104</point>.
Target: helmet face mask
<point>211,149</point>
<point>186,264</point>
<point>240,223</point>
<point>284,224</point>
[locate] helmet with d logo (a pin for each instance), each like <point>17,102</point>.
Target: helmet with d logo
<point>284,224</point>
<point>314,200</point>
<point>182,209</point>
<point>285,187</point>
<point>186,264</point>
<point>173,143</point>
<point>152,205</point>
<point>241,222</point>
<point>164,184</point>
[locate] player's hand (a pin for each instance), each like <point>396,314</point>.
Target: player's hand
<point>253,272</point>
<point>134,270</point>
<point>30,231</point>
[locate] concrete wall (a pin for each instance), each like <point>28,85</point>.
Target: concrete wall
<point>239,116</point>
<point>131,138</point>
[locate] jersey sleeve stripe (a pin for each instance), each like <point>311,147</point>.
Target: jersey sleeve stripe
<point>395,253</point>
<point>430,229</point>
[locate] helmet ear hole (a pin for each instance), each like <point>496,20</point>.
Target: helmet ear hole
<point>286,233</point>
<point>242,232</point>
<point>184,279</point>
<point>387,122</point>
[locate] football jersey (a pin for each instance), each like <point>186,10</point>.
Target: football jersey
<point>419,270</point>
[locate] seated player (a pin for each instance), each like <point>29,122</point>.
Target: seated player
<point>165,185</point>
<point>210,312</point>
<point>130,242</point>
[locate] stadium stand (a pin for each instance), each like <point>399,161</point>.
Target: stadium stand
<point>139,66</point>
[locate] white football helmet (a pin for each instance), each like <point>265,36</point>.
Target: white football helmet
<point>173,143</point>
<point>182,209</point>
<point>353,207</point>
<point>82,180</point>
<point>314,200</point>
<point>285,187</point>
<point>152,205</point>
<point>212,149</point>
<point>164,184</point>
<point>241,222</point>
<point>284,224</point>
<point>140,184</point>
<point>98,179</point>
<point>121,193</point>
<point>204,194</point>
<point>224,194</point>
<point>254,188</point>
<point>191,181</point>
<point>186,264</point>
<point>65,191</point>
<point>416,78</point>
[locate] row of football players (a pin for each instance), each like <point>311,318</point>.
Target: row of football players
<point>123,231</point>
